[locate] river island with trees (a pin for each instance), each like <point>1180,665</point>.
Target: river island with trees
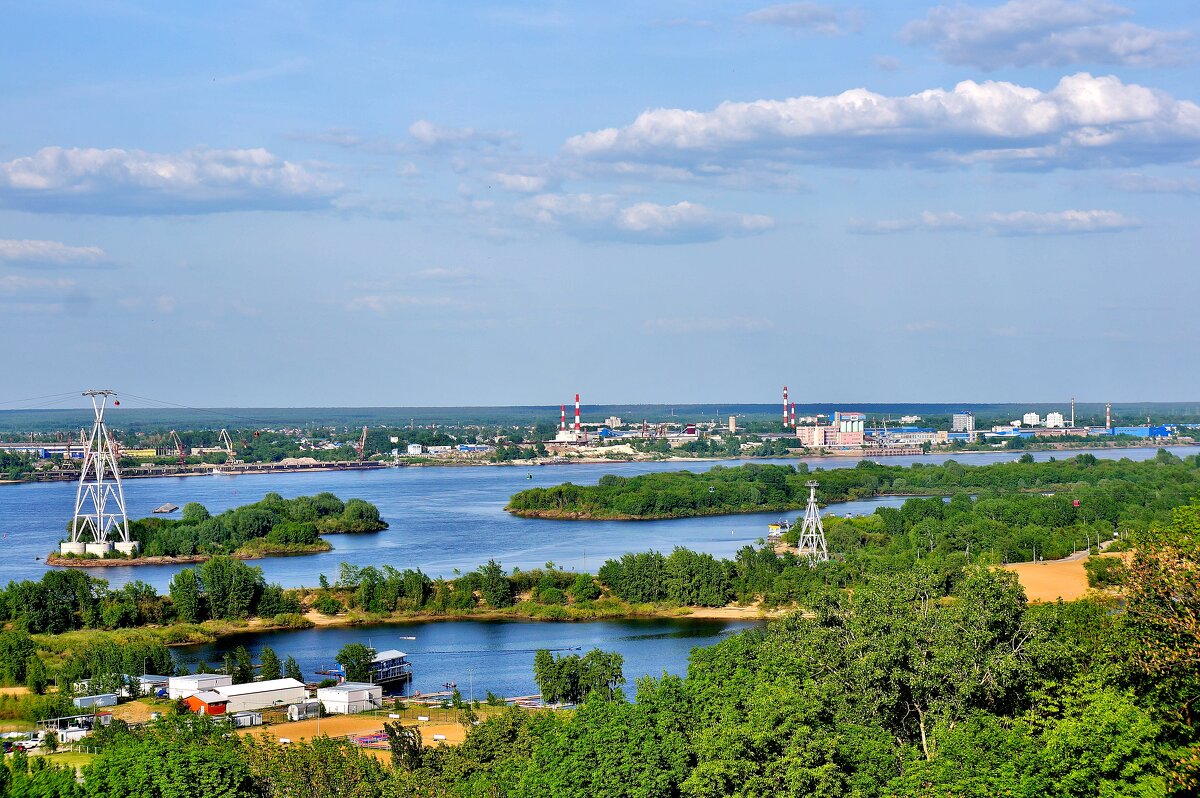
<point>272,526</point>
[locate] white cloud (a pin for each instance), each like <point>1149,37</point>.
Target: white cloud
<point>1059,222</point>
<point>53,252</point>
<point>819,18</point>
<point>117,181</point>
<point>1013,223</point>
<point>427,135</point>
<point>708,324</point>
<point>1045,33</point>
<point>601,216</point>
<point>1081,121</point>
<point>525,184</point>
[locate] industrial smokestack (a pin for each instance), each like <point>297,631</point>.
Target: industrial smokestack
<point>562,424</point>
<point>785,408</point>
<point>578,427</point>
<point>793,415</point>
<point>1108,415</point>
<point>1072,411</point>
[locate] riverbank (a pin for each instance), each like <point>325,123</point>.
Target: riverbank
<point>253,553</point>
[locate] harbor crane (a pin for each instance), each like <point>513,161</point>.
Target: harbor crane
<point>180,450</point>
<point>362,444</point>
<point>224,439</point>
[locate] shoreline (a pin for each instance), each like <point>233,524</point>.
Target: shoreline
<point>59,561</point>
<point>865,454</point>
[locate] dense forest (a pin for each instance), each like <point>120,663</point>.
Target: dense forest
<point>767,488</point>
<point>892,689</point>
<point>274,524</point>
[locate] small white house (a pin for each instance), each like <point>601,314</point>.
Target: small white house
<point>350,697</point>
<point>244,720</point>
<point>260,695</point>
<point>184,686</point>
<point>416,448</point>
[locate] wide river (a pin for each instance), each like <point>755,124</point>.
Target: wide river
<point>442,519</point>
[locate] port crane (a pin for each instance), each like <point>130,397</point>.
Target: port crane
<point>180,451</point>
<point>224,439</point>
<point>362,444</point>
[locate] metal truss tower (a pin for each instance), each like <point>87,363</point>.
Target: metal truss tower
<point>812,533</point>
<point>99,484</point>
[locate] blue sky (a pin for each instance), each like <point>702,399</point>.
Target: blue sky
<point>447,204</point>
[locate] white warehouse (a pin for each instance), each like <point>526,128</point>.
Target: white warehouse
<point>350,697</point>
<point>262,695</point>
<point>184,686</point>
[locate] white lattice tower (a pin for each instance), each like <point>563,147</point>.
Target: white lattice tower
<point>812,533</point>
<point>99,484</point>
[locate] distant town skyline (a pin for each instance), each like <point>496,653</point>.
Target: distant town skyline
<point>249,205</point>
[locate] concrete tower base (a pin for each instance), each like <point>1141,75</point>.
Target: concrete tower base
<point>128,549</point>
<point>101,549</point>
<point>67,547</point>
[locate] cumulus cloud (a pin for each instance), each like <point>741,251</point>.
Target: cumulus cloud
<point>819,18</point>
<point>1045,33</point>
<point>48,252</point>
<point>689,325</point>
<point>1013,223</point>
<point>602,216</point>
<point>118,182</point>
<point>1084,120</point>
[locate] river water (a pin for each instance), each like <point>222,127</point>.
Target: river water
<point>440,518</point>
<point>486,655</point>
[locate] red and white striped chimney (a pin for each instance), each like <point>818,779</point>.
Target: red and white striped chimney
<point>785,407</point>
<point>578,427</point>
<point>793,415</point>
<point>562,424</point>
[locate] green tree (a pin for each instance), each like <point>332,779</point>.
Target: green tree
<point>36,677</point>
<point>270,668</point>
<point>494,585</point>
<point>16,647</point>
<point>194,513</point>
<point>355,659</point>
<point>187,596</point>
<point>405,744</point>
<point>291,669</point>
<point>243,666</point>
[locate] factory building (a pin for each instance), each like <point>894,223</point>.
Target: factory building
<point>1055,420</point>
<point>1031,419</point>
<point>844,430</point>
